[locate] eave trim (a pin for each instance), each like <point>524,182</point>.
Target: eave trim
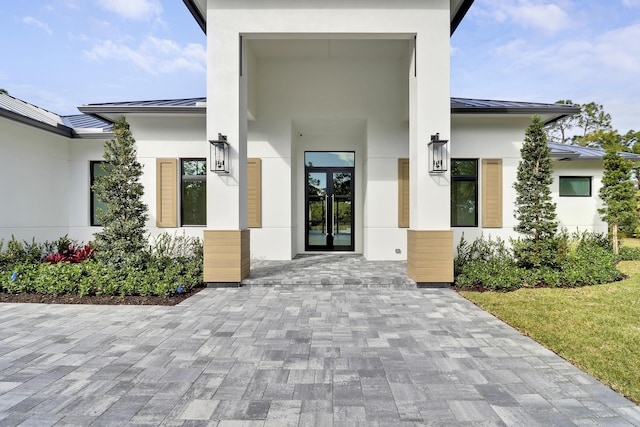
<point>59,129</point>
<point>457,19</point>
<point>109,109</point>
<point>197,15</point>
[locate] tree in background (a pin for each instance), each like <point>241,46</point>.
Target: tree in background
<point>592,121</point>
<point>535,210</point>
<point>618,195</point>
<point>122,241</point>
<point>592,118</point>
<point>558,131</point>
<point>4,91</point>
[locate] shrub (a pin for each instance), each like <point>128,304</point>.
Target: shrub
<point>589,265</point>
<point>71,254</point>
<point>19,252</point>
<point>629,254</point>
<point>174,266</point>
<point>486,264</point>
<point>122,240</point>
<point>580,259</point>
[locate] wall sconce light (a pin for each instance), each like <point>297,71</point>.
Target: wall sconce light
<point>437,154</point>
<point>219,161</point>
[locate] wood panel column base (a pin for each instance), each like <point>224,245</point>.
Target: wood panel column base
<point>430,257</point>
<point>226,256</point>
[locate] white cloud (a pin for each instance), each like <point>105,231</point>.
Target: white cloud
<point>614,52</point>
<point>631,3</point>
<point>30,20</point>
<point>548,17</point>
<point>155,56</point>
<point>618,49</point>
<point>138,10</point>
<point>71,4</point>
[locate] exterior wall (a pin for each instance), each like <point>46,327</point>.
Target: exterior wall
<point>490,137</point>
<point>156,136</point>
<point>34,183</point>
<point>579,213</point>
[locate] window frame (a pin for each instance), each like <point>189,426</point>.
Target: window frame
<point>465,178</point>
<point>590,178</point>
<point>184,178</point>
<point>93,220</point>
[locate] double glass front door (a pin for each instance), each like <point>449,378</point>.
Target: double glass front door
<point>329,202</point>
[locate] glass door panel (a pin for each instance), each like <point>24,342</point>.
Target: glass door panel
<point>329,213</point>
<point>317,226</point>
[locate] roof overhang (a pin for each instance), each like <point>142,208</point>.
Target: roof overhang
<point>549,113</point>
<point>198,9</point>
<point>111,112</point>
<point>58,129</point>
<point>458,8</point>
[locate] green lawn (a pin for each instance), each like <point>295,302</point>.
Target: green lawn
<point>597,328</point>
<point>631,242</point>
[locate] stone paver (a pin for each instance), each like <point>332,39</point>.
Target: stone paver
<point>299,356</point>
<point>329,269</point>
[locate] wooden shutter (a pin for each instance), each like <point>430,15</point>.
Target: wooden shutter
<point>166,192</point>
<point>254,193</point>
<point>403,193</point>
<point>492,193</point>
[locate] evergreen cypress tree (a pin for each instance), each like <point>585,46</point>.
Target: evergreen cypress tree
<point>618,195</point>
<point>535,211</point>
<point>122,242</point>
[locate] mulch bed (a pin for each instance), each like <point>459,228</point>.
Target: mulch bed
<point>96,299</point>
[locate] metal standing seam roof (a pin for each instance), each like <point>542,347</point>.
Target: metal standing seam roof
<point>23,108</point>
<point>86,121</point>
<point>475,106</point>
<point>458,105</point>
<point>183,105</point>
<point>183,102</point>
<point>577,152</point>
<point>30,114</point>
<point>18,109</point>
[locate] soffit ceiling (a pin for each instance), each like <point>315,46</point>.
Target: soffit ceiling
<point>329,48</point>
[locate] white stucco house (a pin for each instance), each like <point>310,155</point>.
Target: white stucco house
<point>332,113</point>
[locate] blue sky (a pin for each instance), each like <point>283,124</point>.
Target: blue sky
<point>59,54</point>
<point>543,51</point>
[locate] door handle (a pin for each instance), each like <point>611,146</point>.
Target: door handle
<point>334,217</point>
<point>326,214</point>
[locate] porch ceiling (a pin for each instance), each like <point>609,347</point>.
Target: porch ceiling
<point>329,48</point>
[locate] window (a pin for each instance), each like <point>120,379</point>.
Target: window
<point>464,193</point>
<point>330,158</point>
<point>575,186</point>
<point>194,192</point>
<point>97,168</point>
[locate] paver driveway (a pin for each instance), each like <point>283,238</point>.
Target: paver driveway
<point>289,356</point>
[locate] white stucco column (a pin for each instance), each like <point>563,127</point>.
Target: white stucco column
<point>429,239</point>
<point>430,113</point>
<point>226,240</point>
<point>227,114</point>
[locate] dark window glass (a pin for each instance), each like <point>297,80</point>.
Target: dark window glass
<point>575,186</point>
<point>98,168</point>
<point>194,192</point>
<point>464,193</point>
